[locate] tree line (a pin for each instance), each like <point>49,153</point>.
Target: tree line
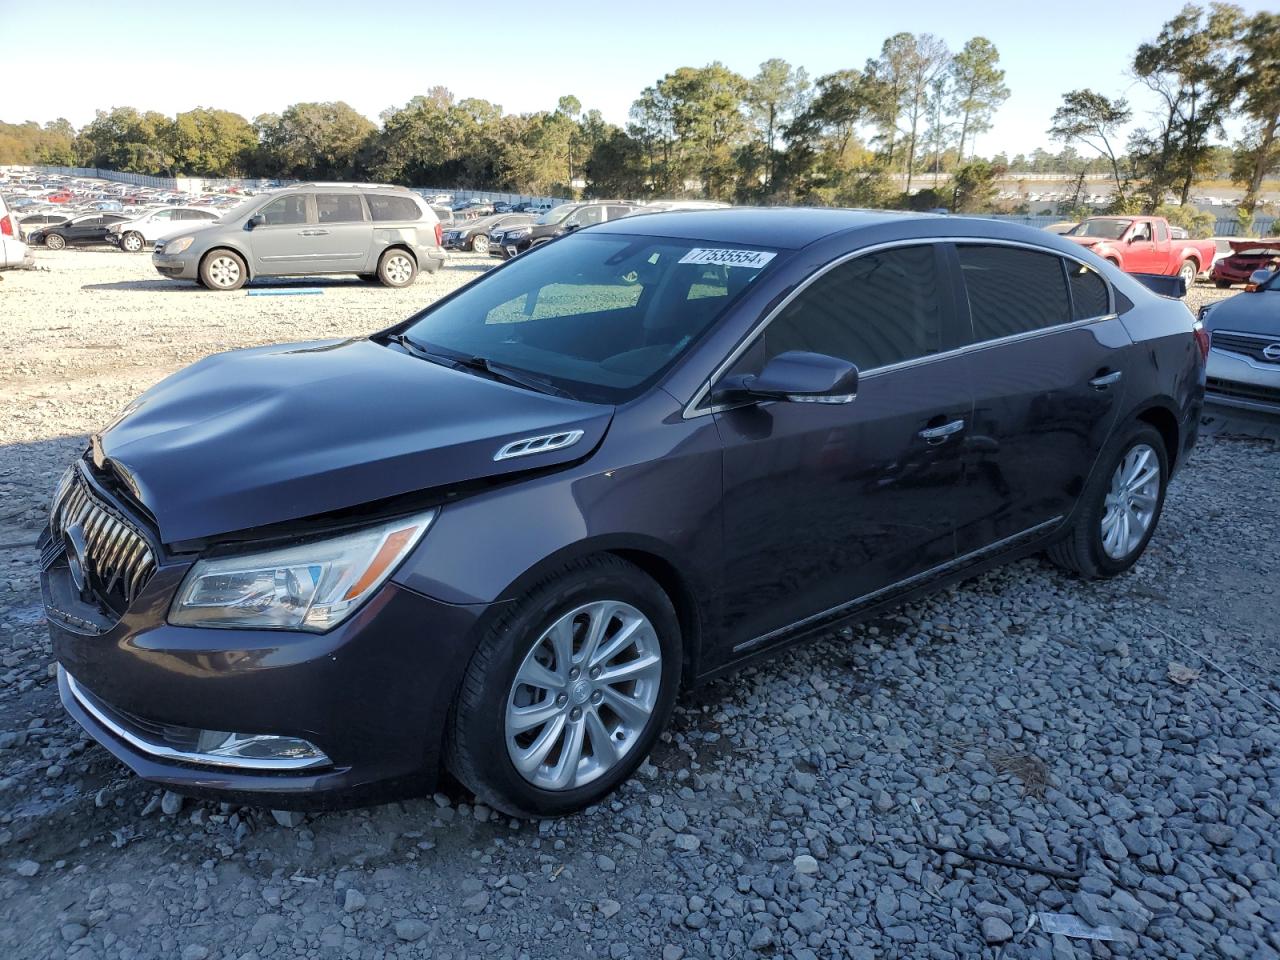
<point>861,136</point>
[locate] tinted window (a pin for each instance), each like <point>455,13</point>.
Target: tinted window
<point>878,309</point>
<point>384,207</point>
<point>587,216</point>
<point>283,211</point>
<point>1013,291</point>
<point>616,212</point>
<point>1088,292</point>
<point>164,215</point>
<point>339,208</point>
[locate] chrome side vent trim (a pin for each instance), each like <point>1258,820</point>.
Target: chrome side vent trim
<point>543,444</point>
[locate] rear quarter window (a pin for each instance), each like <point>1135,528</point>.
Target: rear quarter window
<point>1088,292</point>
<point>384,207</point>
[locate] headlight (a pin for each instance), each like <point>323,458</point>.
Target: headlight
<point>519,234</point>
<point>177,246</point>
<point>311,586</point>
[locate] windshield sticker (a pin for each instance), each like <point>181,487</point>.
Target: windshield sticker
<point>753,259</point>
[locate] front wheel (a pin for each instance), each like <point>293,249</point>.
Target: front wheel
<point>132,242</point>
<point>223,270</point>
<point>396,268</point>
<point>1119,508</point>
<point>480,244</point>
<point>1188,272</point>
<point>566,693</point>
<point>54,242</point>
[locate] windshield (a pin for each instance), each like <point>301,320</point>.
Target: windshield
<point>1106,229</point>
<point>598,316</point>
<point>556,214</point>
<point>235,212</point>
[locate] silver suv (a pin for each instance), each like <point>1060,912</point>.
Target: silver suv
<point>378,232</point>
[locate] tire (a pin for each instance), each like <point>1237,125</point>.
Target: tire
<point>483,735</point>
<point>1084,550</point>
<point>480,244</point>
<point>1222,284</point>
<point>396,268</point>
<point>1188,272</point>
<point>223,270</point>
<point>54,242</point>
<point>132,242</point>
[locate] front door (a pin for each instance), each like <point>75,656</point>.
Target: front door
<point>280,243</point>
<point>1047,369</point>
<point>1140,254</point>
<point>827,503</point>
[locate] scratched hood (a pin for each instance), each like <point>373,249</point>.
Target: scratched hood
<point>261,436</point>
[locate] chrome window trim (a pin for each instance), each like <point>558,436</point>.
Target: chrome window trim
<point>1267,337</point>
<point>691,409</point>
<point>905,583</point>
<point>169,753</point>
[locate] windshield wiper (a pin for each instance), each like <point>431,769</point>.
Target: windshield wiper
<point>481,364</point>
<point>510,375</point>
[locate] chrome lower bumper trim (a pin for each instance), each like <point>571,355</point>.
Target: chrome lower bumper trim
<point>163,752</point>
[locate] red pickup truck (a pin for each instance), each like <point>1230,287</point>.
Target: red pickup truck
<point>1143,245</point>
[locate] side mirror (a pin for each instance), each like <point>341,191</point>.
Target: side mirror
<point>797,376</point>
<point>256,220</point>
<point>1259,277</point>
<point>572,225</point>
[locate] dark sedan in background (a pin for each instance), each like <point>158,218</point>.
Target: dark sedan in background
<point>473,235</point>
<point>1244,346</point>
<point>88,228</point>
<point>502,534</point>
<point>556,222</point>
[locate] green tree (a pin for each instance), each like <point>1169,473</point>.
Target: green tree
<point>977,83</point>
<point>1189,68</point>
<point>1094,120</point>
<point>775,96</point>
<point>975,186</point>
<point>618,166</point>
<point>126,140</point>
<point>909,66</point>
<point>212,143</point>
<point>323,141</point>
<point>1256,70</point>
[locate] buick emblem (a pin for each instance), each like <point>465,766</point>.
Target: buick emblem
<point>1272,352</point>
<point>73,539</point>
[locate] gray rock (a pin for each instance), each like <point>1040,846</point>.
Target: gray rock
<point>411,929</point>
<point>27,868</point>
<point>353,901</point>
<point>171,803</point>
<point>288,818</point>
<point>995,930</point>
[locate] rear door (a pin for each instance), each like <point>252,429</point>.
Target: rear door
<point>827,504</point>
<point>342,236</point>
<point>1047,367</point>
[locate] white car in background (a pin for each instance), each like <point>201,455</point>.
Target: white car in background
<point>133,236</point>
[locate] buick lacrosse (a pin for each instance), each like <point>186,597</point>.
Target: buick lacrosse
<point>499,537</point>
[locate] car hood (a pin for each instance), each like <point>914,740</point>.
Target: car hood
<point>260,436</point>
<point>1257,312</point>
<point>1085,242</point>
<point>1256,248</point>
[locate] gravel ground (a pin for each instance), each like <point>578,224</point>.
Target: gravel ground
<point>792,811</point>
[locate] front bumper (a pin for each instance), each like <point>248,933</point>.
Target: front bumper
<point>1236,381</point>
<point>179,267</point>
<point>373,694</point>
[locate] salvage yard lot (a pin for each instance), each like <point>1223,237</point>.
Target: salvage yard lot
<point>1023,714</point>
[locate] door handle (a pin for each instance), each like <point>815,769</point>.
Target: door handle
<point>1106,380</point>
<point>938,434</point>
<point>313,233</point>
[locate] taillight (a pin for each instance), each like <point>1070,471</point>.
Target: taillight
<point>439,234</point>
<point>6,226</point>
<point>1202,339</point>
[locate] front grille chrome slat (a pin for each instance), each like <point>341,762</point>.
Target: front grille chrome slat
<point>117,557</point>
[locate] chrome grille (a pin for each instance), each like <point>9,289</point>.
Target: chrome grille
<point>116,557</point>
<point>1252,345</point>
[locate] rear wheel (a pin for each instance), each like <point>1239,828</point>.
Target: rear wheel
<point>480,244</point>
<point>132,242</point>
<point>1188,272</point>
<point>396,268</point>
<point>567,692</point>
<point>54,242</point>
<point>223,270</point>
<point>1119,508</point>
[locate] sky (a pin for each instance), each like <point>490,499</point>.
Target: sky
<point>260,57</point>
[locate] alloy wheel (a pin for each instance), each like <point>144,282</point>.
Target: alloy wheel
<point>131,242</point>
<point>398,269</point>
<point>1189,274</point>
<point>583,695</point>
<point>54,242</point>
<point>1131,501</point>
<point>224,272</point>
<point>480,244</point>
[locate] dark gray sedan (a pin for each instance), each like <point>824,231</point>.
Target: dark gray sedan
<point>504,533</point>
